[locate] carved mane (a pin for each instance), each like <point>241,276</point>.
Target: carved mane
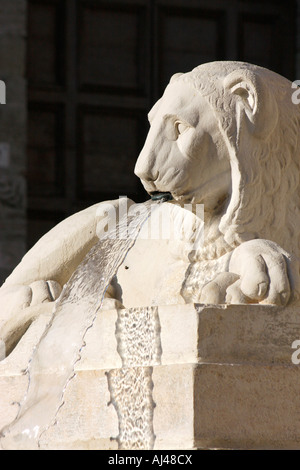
<point>265,198</point>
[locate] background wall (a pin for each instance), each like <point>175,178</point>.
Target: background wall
<point>81,76</point>
<point>13,119</point>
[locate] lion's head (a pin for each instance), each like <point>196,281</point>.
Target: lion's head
<point>226,135</point>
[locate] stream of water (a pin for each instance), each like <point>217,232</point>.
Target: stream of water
<point>52,364</point>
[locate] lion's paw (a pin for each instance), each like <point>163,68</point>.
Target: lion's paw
<point>16,313</point>
<point>20,297</point>
<point>16,296</point>
<point>214,292</point>
<point>263,269</point>
<point>258,273</point>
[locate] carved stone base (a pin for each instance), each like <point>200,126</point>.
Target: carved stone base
<point>174,377</point>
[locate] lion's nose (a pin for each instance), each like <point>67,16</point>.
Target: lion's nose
<point>144,169</point>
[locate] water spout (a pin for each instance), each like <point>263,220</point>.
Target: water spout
<point>162,197</point>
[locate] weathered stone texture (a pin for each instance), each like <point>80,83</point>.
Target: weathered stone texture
<point>232,383</point>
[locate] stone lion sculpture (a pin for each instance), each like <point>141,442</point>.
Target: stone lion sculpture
<point>224,135</point>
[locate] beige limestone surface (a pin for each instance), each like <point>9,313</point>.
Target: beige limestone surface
<point>223,378</point>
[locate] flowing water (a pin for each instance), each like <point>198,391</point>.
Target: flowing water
<point>52,364</point>
<point>130,387</point>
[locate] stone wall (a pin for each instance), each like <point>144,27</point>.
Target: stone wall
<point>12,135</point>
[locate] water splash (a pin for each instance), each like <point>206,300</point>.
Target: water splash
<point>131,394</point>
<point>52,364</point>
<point>139,346</point>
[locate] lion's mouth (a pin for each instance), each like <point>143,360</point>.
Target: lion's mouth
<point>161,196</point>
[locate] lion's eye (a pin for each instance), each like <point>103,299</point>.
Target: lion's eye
<point>180,127</point>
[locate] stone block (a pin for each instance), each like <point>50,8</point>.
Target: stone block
<point>247,406</point>
<point>215,377</point>
<point>85,421</point>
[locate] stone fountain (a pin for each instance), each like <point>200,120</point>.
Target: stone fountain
<point>172,324</point>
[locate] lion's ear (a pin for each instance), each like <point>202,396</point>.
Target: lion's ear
<point>254,98</point>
